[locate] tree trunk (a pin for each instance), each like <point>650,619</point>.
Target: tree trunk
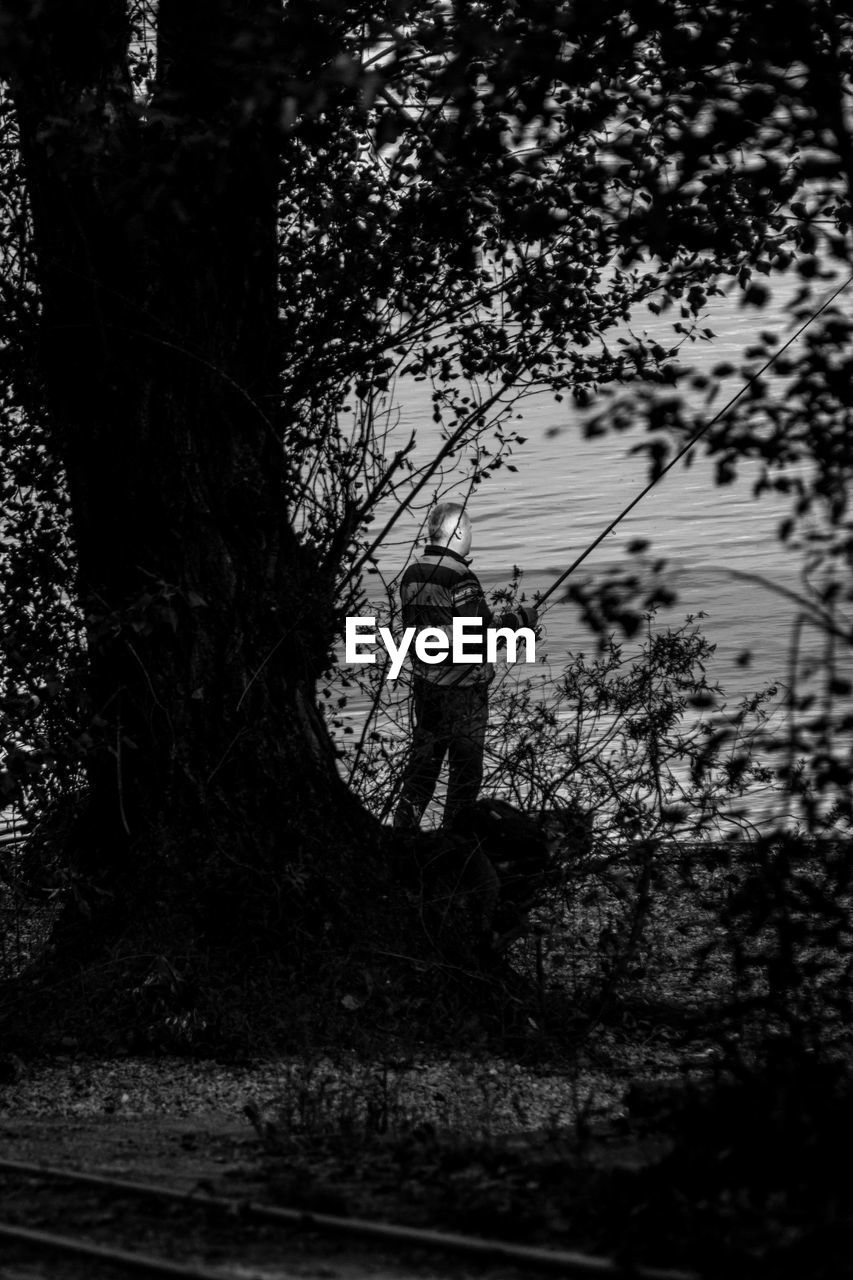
<point>207,622</point>
<point>156,245</point>
<point>217,839</point>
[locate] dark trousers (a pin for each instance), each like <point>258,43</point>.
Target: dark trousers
<point>447,722</point>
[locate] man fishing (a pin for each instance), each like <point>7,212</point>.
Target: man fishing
<point>450,699</point>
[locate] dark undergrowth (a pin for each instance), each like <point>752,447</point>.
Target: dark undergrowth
<point>736,1178</point>
<point>713,984</point>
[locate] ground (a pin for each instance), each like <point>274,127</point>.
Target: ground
<point>184,1124</point>
<point>615,1145</point>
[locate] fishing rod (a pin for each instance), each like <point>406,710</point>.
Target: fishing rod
<point>696,436</point>
<point>685,448</point>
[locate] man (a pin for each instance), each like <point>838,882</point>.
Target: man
<point>450,700</point>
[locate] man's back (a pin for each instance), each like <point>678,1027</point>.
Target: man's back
<point>436,588</point>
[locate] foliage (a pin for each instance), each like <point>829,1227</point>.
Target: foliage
<point>619,761</point>
<point>759,118</point>
<point>224,244</point>
<point>474,195</point>
<point>624,735</point>
<point>786,928</point>
<point>747,1185</point>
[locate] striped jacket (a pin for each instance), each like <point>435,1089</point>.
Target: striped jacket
<point>433,591</point>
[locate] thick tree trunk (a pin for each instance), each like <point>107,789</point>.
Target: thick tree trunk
<point>217,833</point>
<point>207,622</point>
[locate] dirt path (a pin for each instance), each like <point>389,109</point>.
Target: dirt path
<point>212,1151</point>
<point>182,1124</point>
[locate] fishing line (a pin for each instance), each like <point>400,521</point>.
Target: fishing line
<point>685,448</point>
<point>697,435</point>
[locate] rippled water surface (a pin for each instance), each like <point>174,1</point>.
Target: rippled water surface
<point>566,489</point>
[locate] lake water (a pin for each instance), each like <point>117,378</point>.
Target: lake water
<point>566,490</point>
